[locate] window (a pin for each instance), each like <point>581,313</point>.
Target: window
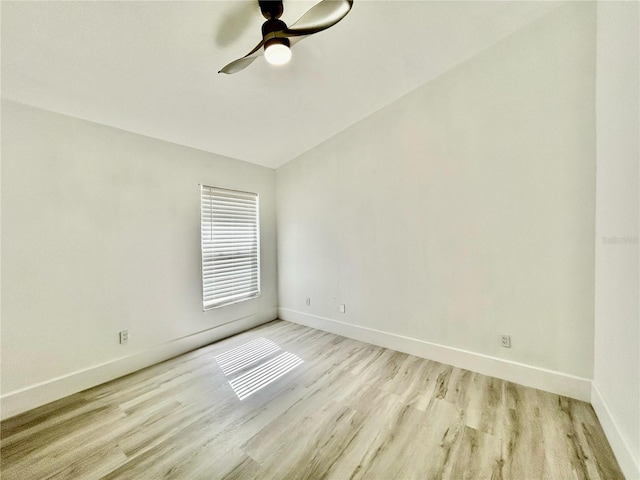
<point>230,246</point>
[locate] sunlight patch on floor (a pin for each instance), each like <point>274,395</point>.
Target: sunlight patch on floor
<point>267,368</point>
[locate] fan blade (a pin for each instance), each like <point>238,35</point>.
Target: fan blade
<point>244,62</point>
<point>237,65</point>
<point>321,16</point>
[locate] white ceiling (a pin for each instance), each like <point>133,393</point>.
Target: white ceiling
<point>151,67</point>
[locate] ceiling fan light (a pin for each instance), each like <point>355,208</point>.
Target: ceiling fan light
<point>277,51</point>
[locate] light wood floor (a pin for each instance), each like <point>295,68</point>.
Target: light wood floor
<point>350,410</point>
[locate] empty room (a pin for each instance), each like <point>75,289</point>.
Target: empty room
<point>406,247</point>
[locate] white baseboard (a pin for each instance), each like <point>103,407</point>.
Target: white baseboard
<point>19,401</point>
<point>530,376</point>
<point>628,461</point>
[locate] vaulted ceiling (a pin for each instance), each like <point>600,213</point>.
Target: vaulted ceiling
<point>151,67</point>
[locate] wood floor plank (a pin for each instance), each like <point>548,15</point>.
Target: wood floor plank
<point>477,456</point>
<point>340,409</point>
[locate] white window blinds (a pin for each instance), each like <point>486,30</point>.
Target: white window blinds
<point>230,246</point>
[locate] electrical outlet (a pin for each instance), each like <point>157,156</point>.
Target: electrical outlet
<point>124,337</point>
<point>505,341</point>
<point>308,302</point>
<point>342,308</point>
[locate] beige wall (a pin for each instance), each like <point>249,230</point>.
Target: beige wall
<point>101,233</point>
<point>462,211</point>
<point>616,395</point>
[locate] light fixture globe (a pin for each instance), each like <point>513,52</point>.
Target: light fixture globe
<point>277,51</point>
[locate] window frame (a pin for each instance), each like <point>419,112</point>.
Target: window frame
<point>207,228</point>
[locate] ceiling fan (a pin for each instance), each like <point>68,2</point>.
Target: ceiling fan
<point>277,37</point>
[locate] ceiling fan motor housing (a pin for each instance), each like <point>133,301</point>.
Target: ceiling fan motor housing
<point>272,25</point>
